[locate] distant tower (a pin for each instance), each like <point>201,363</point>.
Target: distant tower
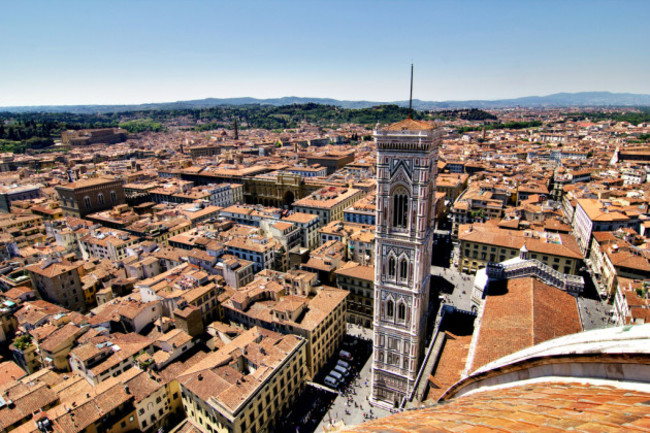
<point>236,129</point>
<point>407,155</point>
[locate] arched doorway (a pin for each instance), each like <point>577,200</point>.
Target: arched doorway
<point>288,198</point>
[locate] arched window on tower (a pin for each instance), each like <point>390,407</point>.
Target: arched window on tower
<point>391,267</point>
<point>403,269</point>
<point>400,208</point>
<point>401,312</point>
<point>390,309</point>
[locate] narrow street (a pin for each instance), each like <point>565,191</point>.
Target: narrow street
<point>454,287</point>
<point>352,406</point>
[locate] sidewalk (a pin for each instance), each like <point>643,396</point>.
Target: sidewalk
<point>351,405</point>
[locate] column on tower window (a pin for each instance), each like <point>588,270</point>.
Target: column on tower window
<point>390,309</point>
<point>401,312</point>
<point>391,267</point>
<point>403,269</point>
<point>400,208</point>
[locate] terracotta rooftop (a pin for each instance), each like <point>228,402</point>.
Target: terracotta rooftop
<point>300,217</point>
<point>409,125</point>
<point>557,244</point>
<point>217,376</point>
<point>450,367</point>
<point>84,183</point>
<point>9,370</point>
<point>523,313</point>
<point>539,407</point>
<point>356,270</point>
<point>599,211</point>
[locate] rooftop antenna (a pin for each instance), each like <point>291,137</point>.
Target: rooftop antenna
<point>410,116</point>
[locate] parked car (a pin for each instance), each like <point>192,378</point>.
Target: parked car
<point>331,381</point>
<point>336,375</point>
<point>343,364</point>
<point>344,354</point>
<point>342,370</point>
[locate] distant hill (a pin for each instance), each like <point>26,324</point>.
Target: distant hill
<point>581,99</point>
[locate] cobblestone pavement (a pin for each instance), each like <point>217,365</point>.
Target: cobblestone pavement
<point>454,286</point>
<point>594,313</point>
<point>352,404</point>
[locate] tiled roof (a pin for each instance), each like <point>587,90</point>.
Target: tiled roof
<point>355,270</point>
<point>217,376</point>
<point>56,339</point>
<point>449,368</point>
<point>300,217</point>
<point>9,370</point>
<point>84,183</point>
<point>25,401</point>
<point>544,243</point>
<point>598,211</point>
<point>526,313</point>
<point>409,125</point>
<point>538,407</point>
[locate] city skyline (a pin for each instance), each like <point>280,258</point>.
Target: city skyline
<point>122,53</point>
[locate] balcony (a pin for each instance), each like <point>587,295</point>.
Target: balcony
<point>534,268</point>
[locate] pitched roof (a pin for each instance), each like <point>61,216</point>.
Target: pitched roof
<point>526,313</point>
<point>540,407</point>
<point>449,368</point>
<point>9,370</point>
<point>410,125</point>
<point>84,183</point>
<point>556,244</point>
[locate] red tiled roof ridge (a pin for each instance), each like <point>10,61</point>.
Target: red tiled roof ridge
<point>409,125</point>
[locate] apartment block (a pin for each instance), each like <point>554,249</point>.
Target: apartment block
<point>481,244</point>
<point>328,203</point>
<point>271,303</point>
<point>359,280</point>
<point>592,215</point>
<point>90,195</point>
<point>247,385</point>
<point>59,281</point>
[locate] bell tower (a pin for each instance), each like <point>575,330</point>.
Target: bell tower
<point>407,155</point>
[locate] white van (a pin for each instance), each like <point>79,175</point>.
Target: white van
<point>345,355</point>
<point>343,364</point>
<point>329,380</point>
<point>341,370</point>
<point>336,375</point>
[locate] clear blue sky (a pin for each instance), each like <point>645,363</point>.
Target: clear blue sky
<point>135,51</point>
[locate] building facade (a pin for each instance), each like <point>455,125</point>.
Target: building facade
<point>9,194</point>
<point>279,188</point>
<point>319,319</point>
<point>86,137</point>
<point>593,215</point>
<point>247,385</point>
<point>59,282</point>
<point>359,281</point>
<point>407,154</point>
<point>481,244</point>
<point>90,195</point>
<point>328,203</point>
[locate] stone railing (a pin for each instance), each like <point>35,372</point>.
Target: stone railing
<point>535,268</point>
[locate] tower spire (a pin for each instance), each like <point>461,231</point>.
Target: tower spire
<point>410,116</point>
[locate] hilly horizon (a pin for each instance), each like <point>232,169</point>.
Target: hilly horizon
<point>563,99</point>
